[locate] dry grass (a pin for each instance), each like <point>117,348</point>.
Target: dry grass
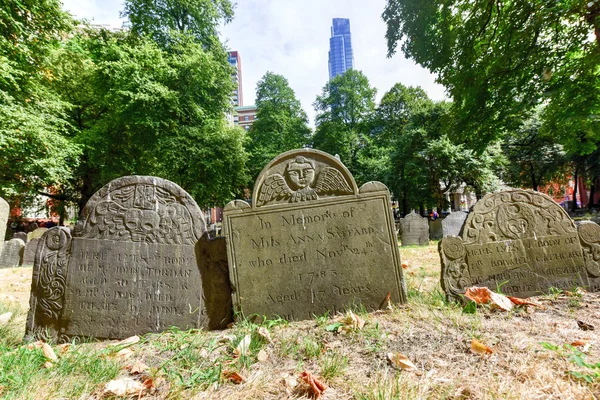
<point>435,335</point>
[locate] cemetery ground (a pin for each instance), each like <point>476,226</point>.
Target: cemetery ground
<point>549,351</point>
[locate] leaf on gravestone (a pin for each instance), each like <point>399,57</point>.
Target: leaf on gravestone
<point>262,356</point>
<point>243,346</point>
<point>264,333</point>
<point>233,377</point>
<point>123,387</point>
<point>129,341</point>
<point>386,304</point>
<point>479,348</point>
<point>483,295</point>
<point>5,317</point>
<point>400,361</point>
<point>316,386</point>
<point>49,353</point>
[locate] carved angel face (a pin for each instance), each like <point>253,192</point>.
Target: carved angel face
<point>301,173</point>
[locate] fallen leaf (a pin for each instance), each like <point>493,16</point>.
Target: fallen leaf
<point>353,321</point>
<point>233,377</point>
<point>289,381</point>
<point>123,387</point>
<point>480,348</point>
<point>262,356</point>
<point>137,367</point>
<point>264,333</point>
<point>48,352</point>
<point>578,343</point>
<point>5,317</point>
<point>148,384</point>
<point>315,384</point>
<point>483,295</point>
<point>243,346</point>
<point>386,304</point>
<point>35,345</point>
<point>128,341</point>
<point>584,326</point>
<point>333,327</point>
<point>404,265</point>
<point>124,354</point>
<point>63,348</point>
<point>48,365</point>
<point>400,361</point>
<point>523,302</point>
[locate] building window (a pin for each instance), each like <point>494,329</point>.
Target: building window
<point>247,127</point>
<point>246,118</point>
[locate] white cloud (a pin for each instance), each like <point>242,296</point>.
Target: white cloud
<point>291,38</point>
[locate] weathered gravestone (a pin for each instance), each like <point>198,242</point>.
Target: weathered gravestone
<point>311,242</point>
<point>4,211</point>
<point>29,251</point>
<point>453,223</point>
<point>522,242</point>
<point>414,230</point>
<point>435,229</point>
<point>20,235</point>
<point>129,268</point>
<point>12,253</point>
<point>36,233</point>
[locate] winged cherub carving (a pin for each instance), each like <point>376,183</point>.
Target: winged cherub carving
<point>298,183</point>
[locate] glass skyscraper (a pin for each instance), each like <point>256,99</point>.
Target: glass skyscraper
<point>341,57</point>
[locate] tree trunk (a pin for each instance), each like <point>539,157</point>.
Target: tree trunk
<point>576,178</point>
<point>534,182</point>
<point>592,193</point>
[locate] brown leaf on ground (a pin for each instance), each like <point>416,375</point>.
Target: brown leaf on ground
<point>232,376</point>
<point>386,304</point>
<point>124,387</point>
<point>479,348</point>
<point>148,384</point>
<point>351,321</point>
<point>124,354</point>
<point>35,345</point>
<point>578,343</point>
<point>243,346</point>
<point>137,367</point>
<point>264,333</point>
<point>404,265</point>
<point>317,387</point>
<point>49,353</point>
<point>523,302</point>
<point>128,341</point>
<point>483,295</point>
<point>584,326</point>
<point>63,348</point>
<point>400,361</point>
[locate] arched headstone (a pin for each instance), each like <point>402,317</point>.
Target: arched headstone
<point>414,230</point>
<point>453,223</point>
<point>12,253</point>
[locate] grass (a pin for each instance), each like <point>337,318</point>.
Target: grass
<point>434,334</point>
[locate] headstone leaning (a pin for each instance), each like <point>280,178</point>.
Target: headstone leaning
<point>129,268</point>
<point>453,223</point>
<point>12,253</point>
<point>415,230</point>
<point>4,211</point>
<point>311,242</point>
<point>522,242</point>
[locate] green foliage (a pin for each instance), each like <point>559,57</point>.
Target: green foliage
<point>282,124</point>
<point>587,372</point>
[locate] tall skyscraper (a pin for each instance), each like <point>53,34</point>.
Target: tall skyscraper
<point>236,61</point>
<point>341,57</point>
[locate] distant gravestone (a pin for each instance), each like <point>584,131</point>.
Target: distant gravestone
<point>414,230</point>
<point>4,211</point>
<point>12,253</point>
<point>29,251</point>
<point>36,233</point>
<point>129,268</point>
<point>20,235</point>
<point>522,242</point>
<point>311,242</point>
<point>453,223</point>
<point>435,229</point>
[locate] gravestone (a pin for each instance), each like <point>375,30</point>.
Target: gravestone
<point>4,211</point>
<point>29,251</point>
<point>12,253</point>
<point>522,242</point>
<point>453,223</point>
<point>414,230</point>
<point>20,235</point>
<point>311,242</point>
<point>435,229</point>
<point>129,268</point>
<point>36,233</point>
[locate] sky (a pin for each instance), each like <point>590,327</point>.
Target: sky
<point>291,38</point>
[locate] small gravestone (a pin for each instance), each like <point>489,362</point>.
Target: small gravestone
<point>414,230</point>
<point>36,233</point>
<point>20,235</point>
<point>312,242</point>
<point>12,253</point>
<point>435,229</point>
<point>129,268</point>
<point>29,251</point>
<point>4,211</point>
<point>522,242</point>
<point>453,223</point>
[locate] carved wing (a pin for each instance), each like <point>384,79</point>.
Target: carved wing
<point>331,181</point>
<point>274,188</point>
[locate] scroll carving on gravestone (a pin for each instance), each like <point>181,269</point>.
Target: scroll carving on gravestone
<point>311,242</point>
<point>129,268</point>
<point>520,242</point>
<point>415,230</point>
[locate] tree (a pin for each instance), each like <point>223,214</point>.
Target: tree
<point>500,59</point>
<point>160,19</point>
<point>281,123</point>
<point>345,109</point>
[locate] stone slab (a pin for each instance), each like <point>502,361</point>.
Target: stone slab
<point>312,250</point>
<point>523,243</point>
<point>414,230</point>
<point>453,223</point>
<point>36,233</point>
<point>4,212</point>
<point>435,229</point>
<point>20,235</point>
<point>12,253</point>
<point>129,268</point>
<point>30,251</point>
